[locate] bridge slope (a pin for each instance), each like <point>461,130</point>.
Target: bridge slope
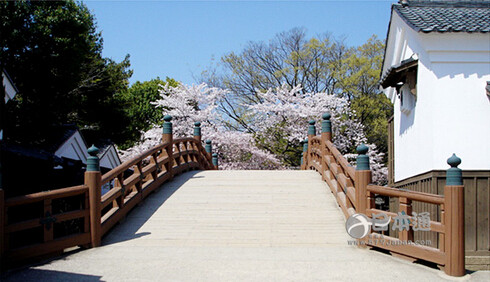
<point>232,226</point>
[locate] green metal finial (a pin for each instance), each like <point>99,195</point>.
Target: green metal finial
<point>93,160</point>
<point>208,146</point>
<point>197,128</point>
<point>454,161</point>
<point>326,123</point>
<point>454,175</point>
<point>215,159</point>
<point>311,128</point>
<point>167,125</point>
<point>362,149</point>
<point>362,158</point>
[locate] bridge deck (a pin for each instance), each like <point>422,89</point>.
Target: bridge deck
<point>233,226</point>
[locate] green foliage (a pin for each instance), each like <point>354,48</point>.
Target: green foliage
<point>52,51</point>
<point>274,140</point>
<point>142,114</point>
<point>319,64</point>
<point>358,79</point>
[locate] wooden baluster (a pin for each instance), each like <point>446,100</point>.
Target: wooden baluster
<point>139,184</point>
<point>185,156</point>
<point>93,181</point>
<point>362,179</point>
<point>86,219</point>
<point>119,182</point>
<point>48,226</point>
<point>154,160</point>
<point>442,244</point>
<point>167,137</point>
<point>177,150</point>
<point>454,222</point>
<point>195,150</point>
<point>405,206</point>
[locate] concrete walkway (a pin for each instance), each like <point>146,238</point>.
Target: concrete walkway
<point>234,226</point>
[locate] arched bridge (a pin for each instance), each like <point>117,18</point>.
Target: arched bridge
<point>181,219</point>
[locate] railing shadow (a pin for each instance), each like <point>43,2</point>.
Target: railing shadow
<point>128,228</point>
<point>51,275</point>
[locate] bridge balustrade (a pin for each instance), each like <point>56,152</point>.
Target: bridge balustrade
<point>355,194</point>
<point>48,222</point>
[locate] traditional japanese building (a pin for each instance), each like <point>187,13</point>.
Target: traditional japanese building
<point>436,72</point>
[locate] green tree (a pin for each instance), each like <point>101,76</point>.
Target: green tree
<point>139,108</point>
<point>52,51</point>
<point>358,80</point>
<point>318,64</point>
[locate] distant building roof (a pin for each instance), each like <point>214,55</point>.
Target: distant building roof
<point>445,16</point>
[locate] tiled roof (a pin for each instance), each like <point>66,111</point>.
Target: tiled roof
<point>445,16</point>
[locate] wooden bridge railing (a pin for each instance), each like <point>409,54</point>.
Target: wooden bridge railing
<point>49,222</point>
<point>355,194</point>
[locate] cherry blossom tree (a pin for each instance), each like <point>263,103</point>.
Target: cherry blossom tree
<point>284,111</point>
<point>199,103</point>
<point>289,110</point>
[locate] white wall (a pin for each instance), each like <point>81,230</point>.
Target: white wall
<point>74,148</point>
<point>110,159</point>
<point>452,111</point>
<point>9,88</point>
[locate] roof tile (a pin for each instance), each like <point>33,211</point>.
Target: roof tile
<point>446,16</point>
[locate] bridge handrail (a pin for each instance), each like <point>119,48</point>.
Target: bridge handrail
<point>41,211</point>
<point>128,183</point>
<point>355,193</point>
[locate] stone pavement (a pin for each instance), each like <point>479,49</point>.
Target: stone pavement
<point>234,226</point>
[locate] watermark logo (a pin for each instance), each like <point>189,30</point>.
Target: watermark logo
<point>359,226</point>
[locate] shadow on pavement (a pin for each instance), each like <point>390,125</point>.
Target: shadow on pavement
<point>51,275</point>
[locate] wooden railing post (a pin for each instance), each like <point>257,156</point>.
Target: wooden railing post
<point>197,131</point>
<point>311,134</point>
<point>93,181</point>
<point>405,206</point>
<point>215,161</point>
<point>454,222</point>
<point>362,179</point>
<point>167,136</point>
<point>326,136</point>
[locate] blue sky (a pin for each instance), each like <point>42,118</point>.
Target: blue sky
<point>179,39</point>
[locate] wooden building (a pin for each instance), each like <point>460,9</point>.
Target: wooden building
<point>436,71</point>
